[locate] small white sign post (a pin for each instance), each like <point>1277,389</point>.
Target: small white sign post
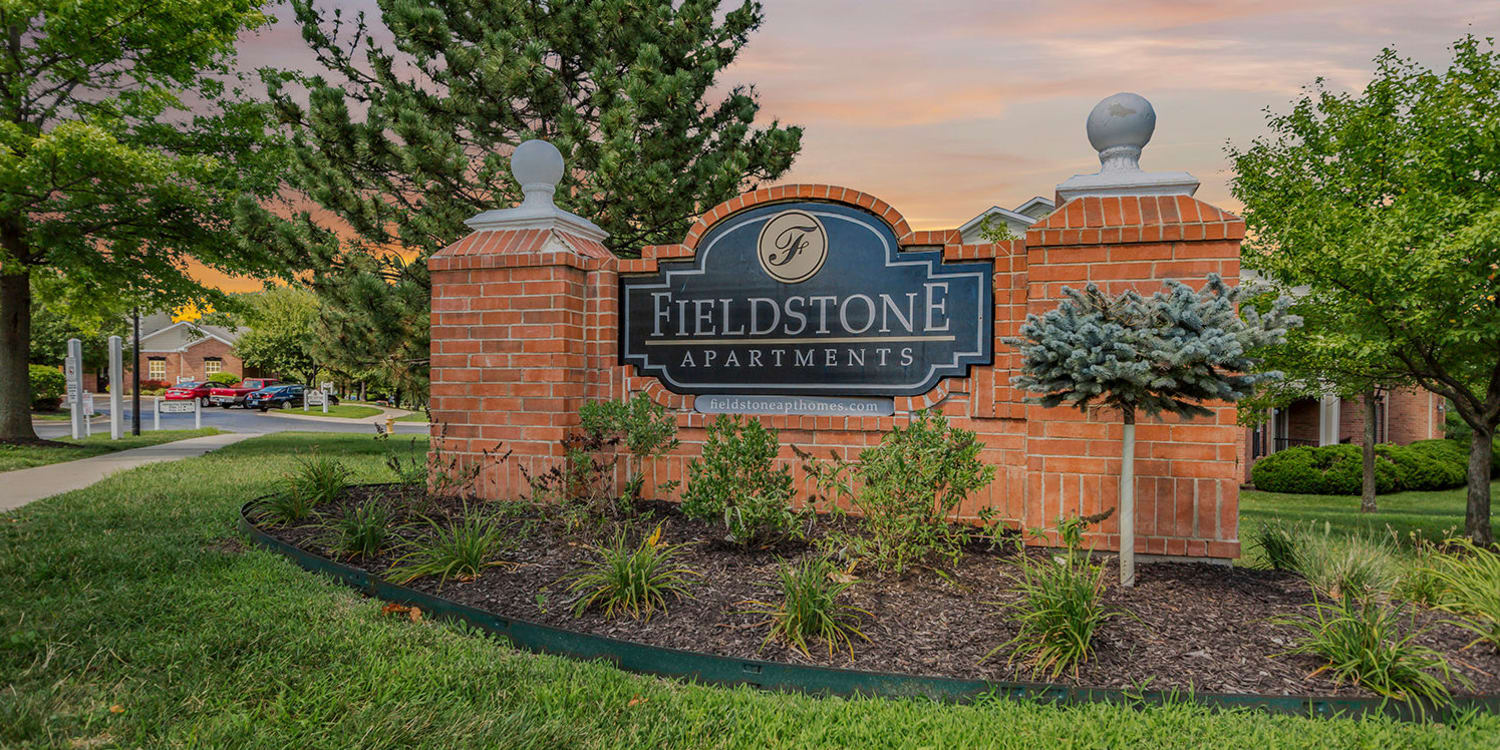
<point>73,369</point>
<point>327,389</point>
<point>179,407</point>
<point>116,388</point>
<point>315,398</point>
<point>88,411</point>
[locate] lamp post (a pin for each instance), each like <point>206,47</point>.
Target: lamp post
<point>135,374</point>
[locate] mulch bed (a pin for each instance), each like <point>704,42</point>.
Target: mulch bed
<point>1190,626</point>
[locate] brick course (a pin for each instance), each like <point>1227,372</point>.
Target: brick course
<point>524,331</point>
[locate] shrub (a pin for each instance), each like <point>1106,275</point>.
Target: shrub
<point>1427,464</point>
<point>459,550</point>
<point>646,429</point>
<point>1471,587</point>
<point>1060,607</point>
<point>47,387</point>
<point>149,384</point>
<point>912,485</point>
<point>1323,470</point>
<point>361,532</point>
<point>1364,643</point>
<point>633,580</point>
<point>224,378</point>
<point>737,482</point>
<point>810,609</point>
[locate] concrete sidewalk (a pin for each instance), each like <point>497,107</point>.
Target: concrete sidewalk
<point>22,486</point>
<point>312,413</point>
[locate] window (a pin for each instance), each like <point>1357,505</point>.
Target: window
<point>156,369</point>
<point>211,366</point>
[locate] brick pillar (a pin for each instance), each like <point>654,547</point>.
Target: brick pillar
<point>512,307</point>
<point>1187,471</point>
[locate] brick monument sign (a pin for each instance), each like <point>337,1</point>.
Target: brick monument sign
<point>819,309</point>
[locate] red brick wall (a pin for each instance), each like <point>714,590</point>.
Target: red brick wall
<point>189,364</point>
<point>524,331</point>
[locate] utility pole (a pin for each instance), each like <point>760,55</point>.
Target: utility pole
<point>135,375</point>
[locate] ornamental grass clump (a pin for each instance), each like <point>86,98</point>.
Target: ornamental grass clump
<point>1277,543</point>
<point>1339,566</point>
<point>634,580</point>
<point>461,549</point>
<point>362,532</point>
<point>810,608</point>
<point>1365,644</point>
<point>1061,606</point>
<point>318,479</point>
<point>1470,580</point>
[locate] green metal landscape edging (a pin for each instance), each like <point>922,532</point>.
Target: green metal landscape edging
<point>727,670</point>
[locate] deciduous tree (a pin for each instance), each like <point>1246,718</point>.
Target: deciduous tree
<point>1383,209</point>
<point>109,181</point>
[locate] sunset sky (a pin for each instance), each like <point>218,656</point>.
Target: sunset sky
<point>946,108</point>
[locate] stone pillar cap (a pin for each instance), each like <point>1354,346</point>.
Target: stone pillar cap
<point>538,166</point>
<point>1119,127</point>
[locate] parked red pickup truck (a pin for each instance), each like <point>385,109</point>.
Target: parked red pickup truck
<point>234,395</point>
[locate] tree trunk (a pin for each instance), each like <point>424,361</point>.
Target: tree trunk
<point>1367,453</point>
<point>1127,502</point>
<point>1477,515</point>
<point>15,354</point>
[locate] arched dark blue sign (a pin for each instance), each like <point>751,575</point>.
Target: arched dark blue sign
<point>807,298</point>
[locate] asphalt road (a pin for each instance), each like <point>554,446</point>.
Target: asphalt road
<point>229,420</point>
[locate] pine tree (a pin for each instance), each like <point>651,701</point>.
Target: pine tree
<point>403,142</point>
<point>1169,353</point>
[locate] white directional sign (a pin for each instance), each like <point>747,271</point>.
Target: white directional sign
<point>177,407</point>
<point>315,398</point>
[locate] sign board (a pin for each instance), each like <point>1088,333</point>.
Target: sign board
<point>185,379</point>
<point>822,406</point>
<point>314,398</point>
<point>74,382</point>
<point>807,299</point>
<point>177,407</point>
<point>326,386</point>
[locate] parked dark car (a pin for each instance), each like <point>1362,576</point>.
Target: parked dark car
<point>280,397</point>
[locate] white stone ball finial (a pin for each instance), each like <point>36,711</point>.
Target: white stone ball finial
<point>1119,127</point>
<point>538,166</point>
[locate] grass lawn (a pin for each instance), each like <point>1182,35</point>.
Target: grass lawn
<point>1433,515</point>
<point>134,616</point>
<point>53,416</point>
<point>339,411</point>
<point>26,456</point>
<point>416,416</point>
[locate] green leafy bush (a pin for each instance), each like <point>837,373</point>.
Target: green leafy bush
<point>1322,470</point>
<point>634,580</point>
<point>223,378</point>
<point>737,482</point>
<point>457,550</point>
<point>646,429</point>
<point>1470,580</point>
<point>1364,643</point>
<point>810,609</point>
<point>47,387</point>
<point>1438,464</point>
<point>1061,605</point>
<point>911,486</point>
<point>1427,464</point>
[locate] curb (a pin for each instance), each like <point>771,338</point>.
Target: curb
<point>694,666</point>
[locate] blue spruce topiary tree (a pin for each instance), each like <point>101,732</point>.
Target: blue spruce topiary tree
<point>1169,353</point>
